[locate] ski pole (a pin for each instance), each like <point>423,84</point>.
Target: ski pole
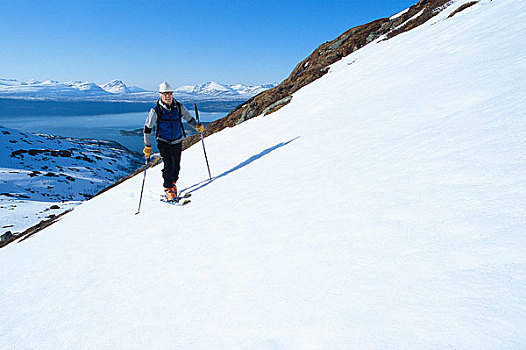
<point>203,142</point>
<point>142,188</point>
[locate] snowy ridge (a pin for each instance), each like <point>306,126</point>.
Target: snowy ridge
<point>402,227</point>
<point>216,89</point>
<point>399,14</point>
<point>50,89</point>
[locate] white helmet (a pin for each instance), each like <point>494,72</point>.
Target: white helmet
<point>165,87</point>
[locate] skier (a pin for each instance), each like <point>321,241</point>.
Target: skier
<point>166,117</point>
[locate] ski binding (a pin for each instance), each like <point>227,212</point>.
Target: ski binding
<point>179,200</point>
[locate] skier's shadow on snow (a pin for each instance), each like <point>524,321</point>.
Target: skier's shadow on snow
<point>204,183</point>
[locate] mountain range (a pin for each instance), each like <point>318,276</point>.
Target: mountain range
<point>215,89</point>
<point>117,90</point>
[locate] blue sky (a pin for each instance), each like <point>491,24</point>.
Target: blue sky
<point>183,42</point>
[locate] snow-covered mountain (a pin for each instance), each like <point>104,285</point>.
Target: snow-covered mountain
<point>118,87</point>
<point>212,89</point>
<point>51,89</point>
<point>8,82</point>
<point>401,226</point>
<point>118,90</point>
<point>43,175</point>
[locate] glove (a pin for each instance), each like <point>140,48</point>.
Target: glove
<point>147,151</point>
<point>199,128</point>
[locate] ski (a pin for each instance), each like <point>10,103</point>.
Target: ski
<point>179,200</point>
<point>176,203</point>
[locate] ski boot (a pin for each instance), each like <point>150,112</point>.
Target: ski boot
<point>171,194</point>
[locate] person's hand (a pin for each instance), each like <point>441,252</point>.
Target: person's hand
<point>147,151</point>
<point>200,128</point>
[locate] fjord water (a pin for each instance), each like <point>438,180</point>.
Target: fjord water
<point>100,127</point>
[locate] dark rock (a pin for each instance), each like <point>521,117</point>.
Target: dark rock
<point>34,173</point>
<point>44,152</point>
<point>462,8</point>
<point>6,236</point>
<point>85,158</point>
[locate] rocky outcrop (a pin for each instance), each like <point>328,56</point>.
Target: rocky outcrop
<point>317,64</point>
<point>9,237</point>
<point>462,8</point>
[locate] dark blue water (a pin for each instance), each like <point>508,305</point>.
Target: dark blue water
<point>101,127</point>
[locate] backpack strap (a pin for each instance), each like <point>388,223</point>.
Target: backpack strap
<point>178,105</point>
<point>159,112</point>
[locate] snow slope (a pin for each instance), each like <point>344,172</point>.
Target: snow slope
<point>400,226</point>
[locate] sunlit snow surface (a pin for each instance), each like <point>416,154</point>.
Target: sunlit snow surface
<point>382,208</point>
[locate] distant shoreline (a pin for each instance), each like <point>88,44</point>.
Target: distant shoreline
<point>139,132</point>
<point>23,107</point>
